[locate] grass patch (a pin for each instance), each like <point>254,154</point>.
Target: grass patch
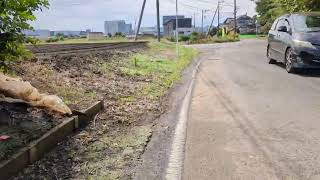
<point>211,40</point>
<point>252,36</point>
<point>160,65</point>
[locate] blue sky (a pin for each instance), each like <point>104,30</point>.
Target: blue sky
<point>91,14</point>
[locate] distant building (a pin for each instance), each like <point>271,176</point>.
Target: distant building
<point>150,31</point>
<point>83,33</point>
<point>95,36</point>
<point>66,33</point>
<point>166,19</point>
<point>112,27</point>
<point>245,25</point>
<point>184,27</point>
<point>38,33</point>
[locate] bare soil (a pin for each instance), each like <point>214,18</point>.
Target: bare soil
<point>22,124</point>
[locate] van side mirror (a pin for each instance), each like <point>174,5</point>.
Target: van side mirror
<point>283,29</point>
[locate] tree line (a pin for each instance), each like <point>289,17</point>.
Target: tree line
<point>269,10</point>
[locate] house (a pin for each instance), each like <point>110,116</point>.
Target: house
<point>184,27</point>
<point>95,36</point>
<point>245,25</point>
<point>113,27</point>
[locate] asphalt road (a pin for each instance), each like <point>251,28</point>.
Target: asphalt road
<point>250,120</point>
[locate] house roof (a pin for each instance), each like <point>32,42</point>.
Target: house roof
<point>179,19</point>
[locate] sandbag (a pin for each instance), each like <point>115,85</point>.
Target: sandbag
<point>19,89</point>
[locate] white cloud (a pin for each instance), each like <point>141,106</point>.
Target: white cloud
<point>83,14</point>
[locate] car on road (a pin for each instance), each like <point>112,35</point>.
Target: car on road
<point>294,39</point>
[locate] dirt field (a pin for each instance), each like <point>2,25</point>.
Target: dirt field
<point>133,82</point>
<point>45,49</point>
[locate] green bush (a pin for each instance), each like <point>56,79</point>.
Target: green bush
<point>171,39</point>
<point>184,38</point>
<point>195,37</point>
<point>15,17</point>
<point>119,34</point>
<point>51,40</point>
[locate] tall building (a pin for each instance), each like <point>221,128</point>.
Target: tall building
<point>112,27</point>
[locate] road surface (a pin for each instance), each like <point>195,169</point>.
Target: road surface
<point>250,120</point>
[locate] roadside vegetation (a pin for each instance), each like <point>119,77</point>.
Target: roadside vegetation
<point>252,36</point>
<point>198,38</point>
<point>270,10</point>
<point>134,84</point>
<point>14,17</point>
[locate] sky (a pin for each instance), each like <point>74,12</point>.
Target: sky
<point>90,14</point>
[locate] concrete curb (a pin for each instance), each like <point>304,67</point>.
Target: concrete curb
<point>38,148</point>
<point>176,159</point>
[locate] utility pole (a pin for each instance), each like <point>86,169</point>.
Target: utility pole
<point>140,19</point>
<point>235,18</point>
<point>214,16</point>
<point>177,29</point>
<point>202,22</point>
<point>158,20</point>
<point>218,17</point>
<point>194,20</point>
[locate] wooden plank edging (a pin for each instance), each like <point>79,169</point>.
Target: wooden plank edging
<point>38,148</point>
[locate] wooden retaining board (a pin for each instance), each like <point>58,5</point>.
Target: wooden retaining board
<point>37,149</point>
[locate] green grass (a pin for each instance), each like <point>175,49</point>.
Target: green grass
<point>212,40</point>
<point>161,65</point>
<point>251,36</point>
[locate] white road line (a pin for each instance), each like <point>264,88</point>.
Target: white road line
<point>176,159</point>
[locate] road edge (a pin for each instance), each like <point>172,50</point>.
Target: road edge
<point>176,157</point>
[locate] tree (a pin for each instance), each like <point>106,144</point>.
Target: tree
<point>14,18</point>
<point>269,10</point>
<point>313,4</point>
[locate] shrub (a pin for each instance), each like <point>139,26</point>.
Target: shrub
<point>51,40</point>
<point>119,34</point>
<point>195,36</point>
<point>15,17</point>
<point>184,38</point>
<point>171,39</point>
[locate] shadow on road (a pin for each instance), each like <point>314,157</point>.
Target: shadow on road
<point>303,72</point>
